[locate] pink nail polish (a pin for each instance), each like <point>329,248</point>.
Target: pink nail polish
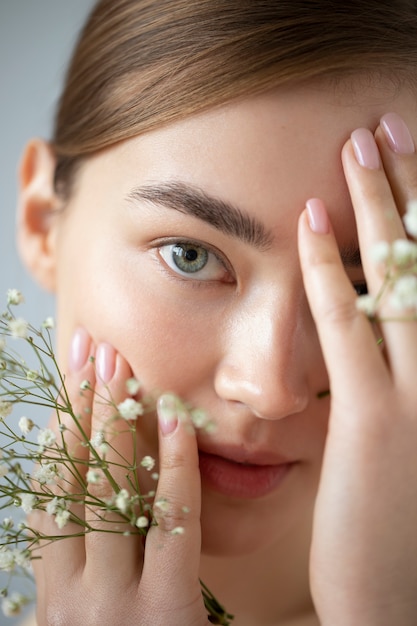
<point>317,216</point>
<point>105,362</point>
<point>79,349</point>
<point>167,413</point>
<point>365,149</point>
<point>398,136</point>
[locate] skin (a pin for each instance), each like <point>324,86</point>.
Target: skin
<point>253,344</point>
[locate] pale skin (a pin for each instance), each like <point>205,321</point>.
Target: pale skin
<point>253,341</point>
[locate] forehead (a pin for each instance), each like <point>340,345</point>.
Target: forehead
<point>266,154</point>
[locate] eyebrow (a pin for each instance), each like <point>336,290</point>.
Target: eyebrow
<point>221,214</point>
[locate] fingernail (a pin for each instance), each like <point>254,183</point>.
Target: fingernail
<point>398,136</point>
<point>167,413</point>
<point>105,362</point>
<point>317,216</point>
<point>79,349</point>
<point>365,149</point>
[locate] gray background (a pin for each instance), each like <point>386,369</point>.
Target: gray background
<point>36,37</point>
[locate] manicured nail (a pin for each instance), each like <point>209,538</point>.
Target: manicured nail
<point>398,136</point>
<point>317,216</point>
<point>167,413</point>
<point>105,362</point>
<point>79,349</point>
<point>365,149</point>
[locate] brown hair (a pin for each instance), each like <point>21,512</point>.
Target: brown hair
<point>139,64</point>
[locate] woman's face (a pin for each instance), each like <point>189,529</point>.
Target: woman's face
<point>179,248</point>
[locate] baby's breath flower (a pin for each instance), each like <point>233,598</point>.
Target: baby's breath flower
<point>122,500</point>
<point>7,559</point>
<point>199,418</point>
<point>410,218</point>
<point>142,522</point>
<point>366,304</point>
<point>8,523</point>
<point>14,296</point>
<point>163,505</point>
<point>97,439</point>
<point>47,474</point>
<point>178,530</point>
<point>12,605</point>
<point>148,463</point>
<point>404,252</point>
<point>22,559</point>
<point>155,476</point>
<point>19,328</point>
<point>380,252</point>
<point>404,293</point>
<point>48,323</point>
<point>85,385</point>
<point>130,409</point>
<point>5,409</point>
<point>46,438</point>
<point>93,476</point>
<point>32,375</point>
<point>27,501</point>
<point>25,424</point>
<point>132,386</point>
<point>61,518</point>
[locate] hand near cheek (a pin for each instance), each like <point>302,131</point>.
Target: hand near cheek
<point>364,547</point>
<point>107,578</point>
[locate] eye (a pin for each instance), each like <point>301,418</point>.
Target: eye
<point>194,261</point>
<point>361,288</point>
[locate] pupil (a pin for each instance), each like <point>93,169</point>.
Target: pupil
<point>191,255</point>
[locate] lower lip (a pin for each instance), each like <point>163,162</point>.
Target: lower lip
<point>238,480</point>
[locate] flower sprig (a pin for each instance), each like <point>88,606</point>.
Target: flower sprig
<point>37,467</point>
<point>397,262</point>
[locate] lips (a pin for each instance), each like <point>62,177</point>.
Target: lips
<point>240,473</point>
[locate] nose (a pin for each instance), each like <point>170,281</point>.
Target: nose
<point>265,363</point>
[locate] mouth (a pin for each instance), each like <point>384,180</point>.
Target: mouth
<point>239,474</point>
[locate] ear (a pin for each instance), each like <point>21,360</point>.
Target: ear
<point>38,208</point>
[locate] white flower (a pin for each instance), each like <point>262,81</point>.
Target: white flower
<point>404,252</point>
<point>61,518</point>
<point>25,424</point>
<point>47,474</point>
<point>14,296</point>
<point>404,293</point>
<point>366,304</point>
<point>46,438</point>
<point>7,560</point>
<point>122,500</point>
<point>8,523</point>
<point>132,386</point>
<point>148,463</point>
<point>19,328</point>
<point>5,408</point>
<point>162,504</point>
<point>4,470</point>
<point>93,476</point>
<point>199,418</point>
<point>380,252</point>
<point>32,375</point>
<point>410,219</point>
<point>22,559</point>
<point>49,322</point>
<point>178,530</point>
<point>129,409</point>
<point>97,439</point>
<point>85,385</point>
<point>52,506</point>
<point>155,476</point>
<point>27,501</point>
<point>12,606</point>
<point>142,522</point>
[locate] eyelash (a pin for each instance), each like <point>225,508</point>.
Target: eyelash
<point>193,277</point>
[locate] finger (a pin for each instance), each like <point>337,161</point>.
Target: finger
<point>115,538</point>
<point>346,337</point>
<point>377,220</point>
<point>70,460</point>
<point>172,554</point>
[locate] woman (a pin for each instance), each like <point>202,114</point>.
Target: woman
<point>204,213</point>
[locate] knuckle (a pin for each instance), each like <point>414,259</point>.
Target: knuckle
<point>340,313</point>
